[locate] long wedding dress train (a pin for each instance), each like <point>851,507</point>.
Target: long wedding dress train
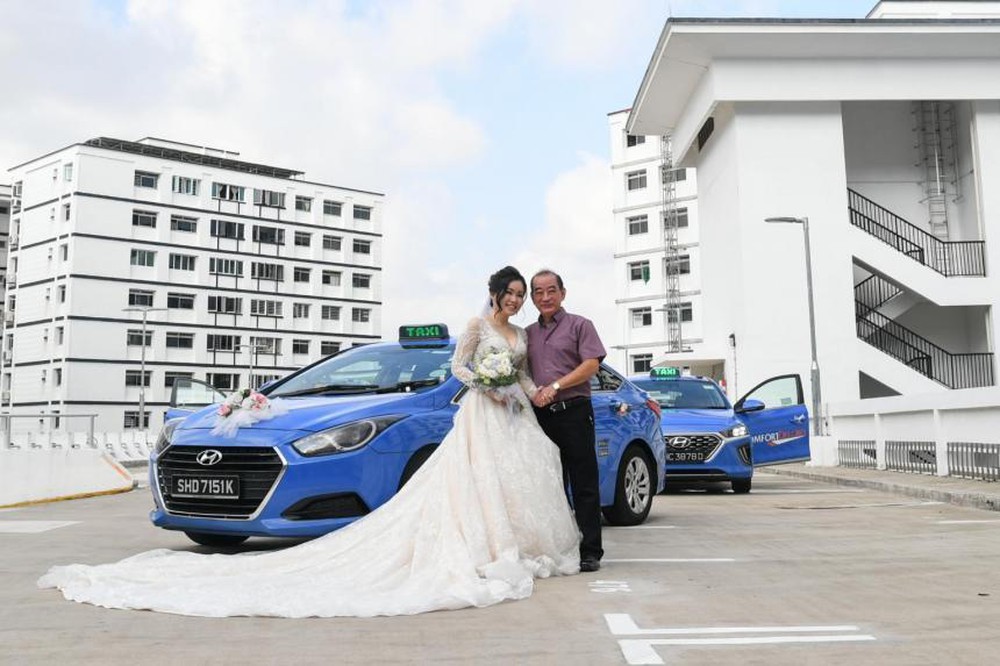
<point>483,517</point>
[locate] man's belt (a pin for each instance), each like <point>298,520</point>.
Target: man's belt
<point>563,405</point>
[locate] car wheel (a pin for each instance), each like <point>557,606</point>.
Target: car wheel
<point>742,486</point>
<point>634,489</point>
<point>216,540</point>
<point>414,463</point>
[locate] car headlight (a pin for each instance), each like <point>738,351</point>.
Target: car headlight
<point>166,434</point>
<point>738,430</point>
<point>343,438</point>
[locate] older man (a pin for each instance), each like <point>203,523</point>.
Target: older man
<point>565,351</point>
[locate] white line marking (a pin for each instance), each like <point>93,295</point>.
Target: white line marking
<point>964,522</point>
<point>643,527</point>
<point>622,624</point>
<point>32,526</point>
<point>640,651</point>
<point>671,559</point>
<point>791,491</point>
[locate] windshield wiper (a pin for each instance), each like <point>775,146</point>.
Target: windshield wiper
<point>330,388</point>
<point>409,385</point>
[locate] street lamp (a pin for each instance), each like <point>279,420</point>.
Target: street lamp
<point>252,349</point>
<point>145,310</point>
<point>814,370</point>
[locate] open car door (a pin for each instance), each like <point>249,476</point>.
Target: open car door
<point>777,420</point>
<point>189,395</point>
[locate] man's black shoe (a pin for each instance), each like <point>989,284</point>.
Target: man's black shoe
<point>589,564</point>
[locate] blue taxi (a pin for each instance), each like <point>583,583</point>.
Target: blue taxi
<point>358,425</point>
<point>709,439</point>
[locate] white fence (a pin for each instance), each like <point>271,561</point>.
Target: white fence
<point>126,446</point>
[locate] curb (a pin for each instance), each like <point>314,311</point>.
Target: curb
<point>970,499</point>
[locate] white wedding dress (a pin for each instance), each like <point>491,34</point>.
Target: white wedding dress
<point>483,517</point>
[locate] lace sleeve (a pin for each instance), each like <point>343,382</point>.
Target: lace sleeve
<point>523,378</point>
<point>461,362</point>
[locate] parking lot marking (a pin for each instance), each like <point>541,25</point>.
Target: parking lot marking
<point>806,491</point>
<point>671,560</point>
<point>609,586</point>
<point>641,527</point>
<point>964,522</point>
<point>32,526</point>
<point>640,650</point>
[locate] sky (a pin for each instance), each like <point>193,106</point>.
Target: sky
<point>484,122</point>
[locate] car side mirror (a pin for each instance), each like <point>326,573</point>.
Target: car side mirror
<point>749,405</point>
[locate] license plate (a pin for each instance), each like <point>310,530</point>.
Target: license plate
<point>218,487</point>
<point>686,456</point>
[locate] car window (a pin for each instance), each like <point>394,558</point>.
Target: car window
<point>779,392</point>
<point>684,394</point>
<point>605,380</point>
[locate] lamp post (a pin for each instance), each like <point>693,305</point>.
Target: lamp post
<point>814,368</point>
<point>252,349</point>
<point>145,310</point>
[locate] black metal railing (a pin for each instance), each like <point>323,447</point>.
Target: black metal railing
<point>950,258</point>
<point>875,291</point>
<point>953,370</point>
<point>974,460</point>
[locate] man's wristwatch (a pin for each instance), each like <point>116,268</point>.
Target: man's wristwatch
<point>555,386</point>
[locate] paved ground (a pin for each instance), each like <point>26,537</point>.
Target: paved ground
<point>801,571</point>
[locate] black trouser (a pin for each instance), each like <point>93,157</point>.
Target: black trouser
<point>572,429</point>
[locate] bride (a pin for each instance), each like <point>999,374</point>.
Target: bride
<point>483,517</point>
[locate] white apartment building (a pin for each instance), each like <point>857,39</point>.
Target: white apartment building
<point>4,233</point>
<point>133,263</point>
<point>878,136</point>
<point>660,320</point>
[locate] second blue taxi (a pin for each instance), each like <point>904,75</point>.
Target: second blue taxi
<point>358,425</point>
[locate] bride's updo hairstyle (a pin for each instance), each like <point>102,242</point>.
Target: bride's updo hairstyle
<point>502,279</point>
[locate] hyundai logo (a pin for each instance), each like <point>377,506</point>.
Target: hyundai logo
<point>209,457</point>
<point>676,442</point>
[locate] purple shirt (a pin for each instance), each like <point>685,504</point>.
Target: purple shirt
<point>558,348</point>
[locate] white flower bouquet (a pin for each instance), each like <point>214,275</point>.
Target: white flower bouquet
<point>244,408</point>
<point>495,369</point>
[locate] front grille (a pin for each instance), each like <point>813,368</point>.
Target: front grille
<point>257,468</point>
<point>339,505</point>
<point>703,444</point>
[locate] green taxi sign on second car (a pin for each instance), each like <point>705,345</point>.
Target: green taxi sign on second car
<point>423,334</point>
<point>668,372</point>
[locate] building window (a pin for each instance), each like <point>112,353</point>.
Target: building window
<point>57,375</point>
<point>361,281</point>
<point>300,310</point>
<point>140,297</point>
<point>327,347</point>
<point>218,266</point>
<point>132,419</point>
<point>362,246</point>
<point>642,363</point>
<point>177,340</point>
<point>271,346</point>
<point>674,175</point>
<point>61,293</point>
<point>215,342</point>
<point>641,317</point>
<point>269,235</point>
<point>137,378</point>
<point>269,198</point>
<point>300,274</point>
<point>331,278</point>
<point>66,212</point>
<point>637,224</point>
<point>303,239</point>
<point>142,257</point>
<point>134,337</point>
<point>635,180</point>
<point>68,172</point>
<point>331,242</point>
<point>332,208</point>
<point>182,262</point>
<point>184,185</point>
<point>260,307</point>
<point>64,252</point>
<point>264,271</point>
<point>224,381</point>
<point>143,218</point>
<point>177,301</point>
<point>304,204</point>
<point>225,305</point>
<point>170,377</point>
<point>146,179</point>
<point>260,380</point>
<point>638,270</point>
<point>685,310</point>
<point>634,140</point>
<point>362,213</point>
<point>226,192</point>
<point>330,312</point>
<point>183,223</point>
<point>60,333</point>
<point>227,229</point>
<point>680,218</point>
<point>300,346</point>
<point>361,315</point>
<point>683,264</point>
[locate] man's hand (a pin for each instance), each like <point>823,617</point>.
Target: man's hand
<point>544,396</point>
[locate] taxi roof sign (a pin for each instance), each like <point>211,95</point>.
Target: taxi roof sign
<point>423,334</point>
<point>668,372</point>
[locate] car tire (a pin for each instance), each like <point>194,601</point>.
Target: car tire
<point>742,486</point>
<point>634,489</point>
<point>414,463</point>
<point>216,540</point>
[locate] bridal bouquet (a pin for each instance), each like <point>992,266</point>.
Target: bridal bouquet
<point>496,369</point>
<point>243,408</point>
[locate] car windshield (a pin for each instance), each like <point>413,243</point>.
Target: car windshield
<point>372,369</point>
<point>684,393</point>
